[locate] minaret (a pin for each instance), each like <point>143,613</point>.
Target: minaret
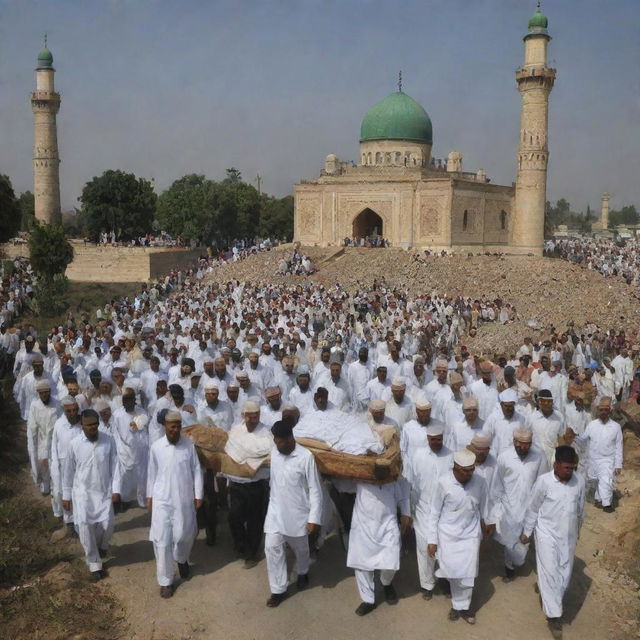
<point>535,81</point>
<point>604,212</point>
<point>45,103</point>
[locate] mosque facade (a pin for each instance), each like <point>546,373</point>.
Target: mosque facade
<point>398,191</point>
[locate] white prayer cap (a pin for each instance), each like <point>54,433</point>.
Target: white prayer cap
<point>399,382</point>
<point>464,458</point>
<point>271,392</point>
<point>210,385</point>
<point>233,385</point>
<point>37,357</point>
<point>523,435</point>
<point>67,401</point>
<point>101,405</point>
<point>207,359</point>
<point>442,363</point>
<point>172,416</point>
<point>481,440</point>
<point>242,375</point>
<point>303,370</point>
<point>377,405</point>
<point>508,395</point>
<point>469,402</point>
<point>435,430</point>
<point>423,403</point>
<point>250,406</point>
<point>43,385</point>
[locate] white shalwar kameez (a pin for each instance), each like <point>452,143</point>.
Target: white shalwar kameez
<point>90,478</point>
<point>174,481</point>
<point>374,540</point>
<point>512,486</point>
<point>132,444</point>
<point>63,434</point>
<point>555,512</point>
<point>438,395</point>
<point>455,526</point>
<point>546,431</point>
<point>486,395</point>
<point>295,499</point>
<point>423,472</point>
<point>577,421</point>
<point>605,455</point>
<point>40,423</point>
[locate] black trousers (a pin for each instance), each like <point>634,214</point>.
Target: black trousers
<point>247,511</point>
<point>344,504</point>
<point>208,515</point>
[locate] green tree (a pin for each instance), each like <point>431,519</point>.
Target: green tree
<point>9,210</point>
<point>188,208</point>
<point>50,253</point>
<point>26,202</point>
<point>626,215</point>
<point>276,217</point>
<point>120,202</point>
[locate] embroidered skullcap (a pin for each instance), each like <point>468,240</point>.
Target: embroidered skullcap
<point>43,385</point>
<point>508,395</point>
<point>523,435</point>
<point>250,406</point>
<point>435,430</point>
<point>481,440</point>
<point>464,458</point>
<point>377,405</point>
<point>470,402</point>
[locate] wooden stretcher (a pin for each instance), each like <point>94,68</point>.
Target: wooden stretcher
<point>382,468</point>
<point>630,411</point>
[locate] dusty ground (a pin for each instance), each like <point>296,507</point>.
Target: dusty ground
<point>223,600</point>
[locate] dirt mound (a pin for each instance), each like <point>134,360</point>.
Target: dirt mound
<point>546,292</point>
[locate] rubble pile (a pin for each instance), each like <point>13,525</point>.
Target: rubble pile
<point>545,292</point>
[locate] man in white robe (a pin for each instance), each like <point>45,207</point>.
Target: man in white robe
<point>576,419</point>
<point>486,464</point>
<point>501,424</point>
<point>456,524</point>
<point>301,395</point>
<point>399,406</point>
<point>271,411</point>
<point>555,513</point>
<point>460,434</point>
<point>518,469</point>
<point>65,429</point>
<point>358,375</point>
<point>547,425</point>
<point>214,412</point>
<point>426,466</point>
<point>294,512</point>
<point>378,387</point>
<point>485,390</point>
<point>605,454</point>
<point>374,540</point>
<point>438,392</point>
<point>412,436</point>
<point>43,414</point>
<point>90,487</point>
<point>174,493</point>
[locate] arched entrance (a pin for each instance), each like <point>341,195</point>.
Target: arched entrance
<point>367,223</point>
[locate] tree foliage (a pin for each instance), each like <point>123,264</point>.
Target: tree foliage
<point>120,202</point>
<point>9,210</point>
<point>561,213</point>
<point>26,202</point>
<point>626,215</point>
<point>49,250</point>
<point>198,208</point>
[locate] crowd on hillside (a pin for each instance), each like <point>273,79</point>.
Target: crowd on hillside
<point>605,256</point>
<point>497,446</point>
<point>372,242</point>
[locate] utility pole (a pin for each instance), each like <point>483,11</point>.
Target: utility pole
<point>258,181</point>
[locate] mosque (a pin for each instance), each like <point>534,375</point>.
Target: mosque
<point>397,190</point>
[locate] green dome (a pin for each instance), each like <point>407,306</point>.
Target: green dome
<point>397,117</point>
<point>538,20</point>
<point>45,59</point>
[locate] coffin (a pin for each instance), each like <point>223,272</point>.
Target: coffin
<point>382,468</point>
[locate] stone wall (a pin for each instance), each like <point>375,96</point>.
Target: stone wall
<point>118,264</point>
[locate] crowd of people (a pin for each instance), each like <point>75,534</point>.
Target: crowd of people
<point>298,264</point>
<point>605,256</point>
<point>506,446</point>
<point>373,241</point>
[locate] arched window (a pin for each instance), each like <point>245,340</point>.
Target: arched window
<point>465,220</point>
<point>503,219</point>
<point>398,158</point>
<point>378,158</point>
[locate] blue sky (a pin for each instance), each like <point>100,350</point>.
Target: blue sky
<point>164,88</point>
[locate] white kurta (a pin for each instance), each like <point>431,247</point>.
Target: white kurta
<point>414,436</point>
<point>577,421</point>
<point>501,430</point>
<point>63,434</point>
<point>555,512</point>
<point>438,395</point>
<point>40,424</point>
<point>460,434</point>
<point>487,397</point>
<point>132,445</point>
<point>220,416</point>
<point>401,413</point>
<point>546,431</point>
<point>374,540</point>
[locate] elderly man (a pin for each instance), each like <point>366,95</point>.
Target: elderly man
<point>271,412</point>
<point>378,387</point>
<point>462,432</point>
<point>337,386</point>
<point>65,429</point>
<point>90,487</point>
<point>374,541</point>
<point>486,463</point>
<point>132,444</point>
<point>485,390</point>
<point>576,419</point>
<point>378,421</point>
<point>547,425</point>
<point>214,412</point>
<point>438,392</point>
<point>423,470</point>
<point>42,417</point>
<point>399,406</point>
<point>294,512</point>
<point>503,422</point>
<point>252,441</point>
<point>555,512</point>
<point>456,523</point>
<point>174,493</point>
<point>301,395</point>
<point>358,375</point>
<point>518,469</point>
<point>412,436</point>
<point>605,453</point>
<point>28,392</point>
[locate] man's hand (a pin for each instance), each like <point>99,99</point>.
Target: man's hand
<point>488,529</point>
<point>45,463</point>
<point>617,471</point>
<point>524,539</point>
<point>149,504</point>
<point>115,498</point>
<point>66,505</point>
<point>311,527</point>
<point>405,523</point>
<point>569,435</point>
<point>198,503</point>
<point>431,550</point>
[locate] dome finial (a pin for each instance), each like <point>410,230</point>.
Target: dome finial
<point>400,81</point>
<point>45,39</point>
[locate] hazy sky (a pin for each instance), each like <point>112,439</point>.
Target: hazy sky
<point>164,88</point>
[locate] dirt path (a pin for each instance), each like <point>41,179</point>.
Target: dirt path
<point>222,600</point>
